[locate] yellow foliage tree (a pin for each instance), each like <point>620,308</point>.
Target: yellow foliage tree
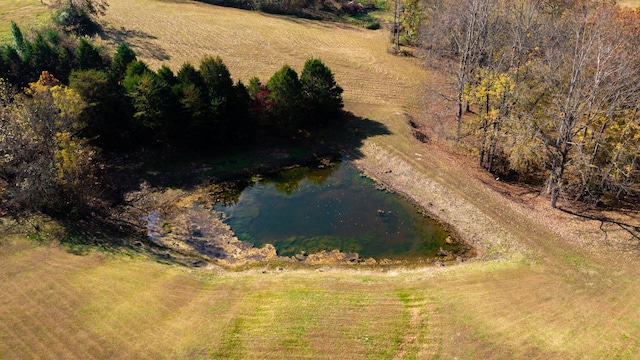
<point>46,164</point>
<point>491,92</point>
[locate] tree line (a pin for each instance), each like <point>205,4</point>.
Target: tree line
<point>554,88</point>
<point>63,102</point>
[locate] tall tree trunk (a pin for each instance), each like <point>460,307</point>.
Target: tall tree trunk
<point>459,113</point>
<point>560,159</point>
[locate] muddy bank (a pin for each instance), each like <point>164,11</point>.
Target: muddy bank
<point>466,221</point>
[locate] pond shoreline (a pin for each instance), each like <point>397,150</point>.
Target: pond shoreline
<point>467,222</point>
<point>184,222</point>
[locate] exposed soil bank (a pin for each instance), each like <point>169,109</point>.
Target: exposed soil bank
<point>498,219</point>
<point>184,221</point>
<point>465,221</point>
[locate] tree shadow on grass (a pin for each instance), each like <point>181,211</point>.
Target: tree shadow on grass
<point>348,138</point>
<point>103,233</point>
<point>141,42</point>
<point>610,225</point>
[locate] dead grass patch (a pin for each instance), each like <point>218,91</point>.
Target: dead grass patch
<point>629,3</point>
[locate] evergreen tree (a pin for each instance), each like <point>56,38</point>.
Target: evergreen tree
<point>106,116</point>
<point>64,63</point>
<point>219,90</point>
<point>218,83</point>
<point>16,68</point>
<point>193,102</point>
<point>18,38</point>
<point>52,36</point>
<point>121,59</point>
<point>42,56</point>
<point>87,56</point>
<point>4,64</point>
<point>285,98</point>
<point>134,73</point>
<point>189,75</point>
<point>152,100</point>
<point>190,90</point>
<point>167,75</point>
<point>321,94</point>
<point>240,111</point>
<point>254,87</point>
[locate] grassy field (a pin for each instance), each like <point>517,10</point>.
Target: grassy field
<point>58,305</point>
<point>551,285</point>
<point>28,14</point>
<point>255,44</point>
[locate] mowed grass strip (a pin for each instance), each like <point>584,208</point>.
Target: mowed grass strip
<point>525,314</point>
<point>560,303</point>
<point>96,306</point>
<point>36,316</point>
<point>59,305</point>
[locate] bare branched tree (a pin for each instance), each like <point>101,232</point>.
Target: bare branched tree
<point>554,85</point>
<point>591,77</point>
<point>463,30</point>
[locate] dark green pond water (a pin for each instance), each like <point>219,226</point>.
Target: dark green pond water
<point>332,207</point>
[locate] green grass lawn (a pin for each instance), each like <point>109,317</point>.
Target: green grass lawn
<point>59,305</point>
<point>28,14</point>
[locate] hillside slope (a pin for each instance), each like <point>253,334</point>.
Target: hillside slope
<point>549,285</point>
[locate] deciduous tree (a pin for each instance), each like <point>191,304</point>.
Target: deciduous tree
<point>45,164</point>
<point>463,29</point>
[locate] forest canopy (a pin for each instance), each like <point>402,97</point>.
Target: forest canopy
<point>79,102</point>
<point>554,88</point>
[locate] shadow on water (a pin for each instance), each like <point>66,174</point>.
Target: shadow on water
<point>240,161</point>
<point>330,206</point>
<point>300,194</point>
<point>103,224</point>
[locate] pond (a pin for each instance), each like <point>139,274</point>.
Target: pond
<point>332,206</point>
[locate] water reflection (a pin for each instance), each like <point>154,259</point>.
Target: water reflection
<point>331,206</point>
<point>290,180</point>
